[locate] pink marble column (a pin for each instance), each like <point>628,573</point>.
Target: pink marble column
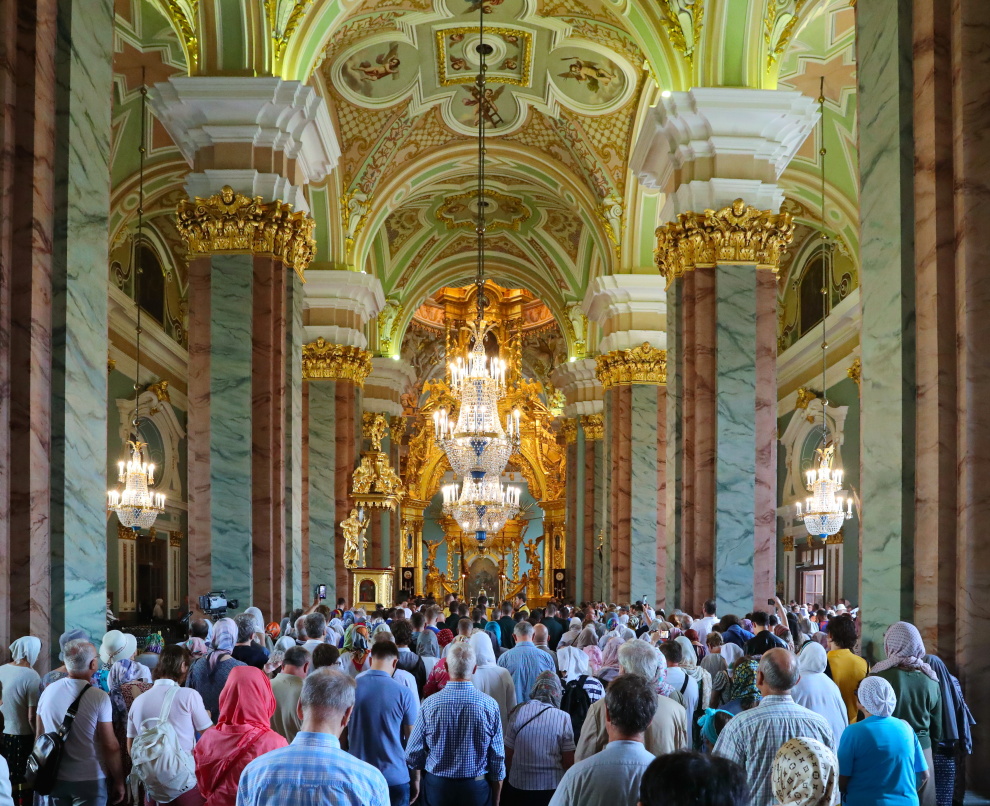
<point>699,552</point>
<point>348,440</point>
<point>684,552</point>
<point>619,402</point>
<point>574,540</point>
<point>592,504</point>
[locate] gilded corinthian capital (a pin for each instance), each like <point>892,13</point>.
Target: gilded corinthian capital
<point>335,362</point>
<point>232,223</point>
<point>640,365</point>
<point>738,233</point>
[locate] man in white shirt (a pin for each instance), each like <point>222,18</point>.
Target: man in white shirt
<point>705,625</point>
<point>81,779</point>
<point>315,629</point>
<point>678,679</point>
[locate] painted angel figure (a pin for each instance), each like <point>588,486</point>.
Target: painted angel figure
<point>596,77</point>
<point>488,104</point>
<point>387,65</point>
<point>486,6</point>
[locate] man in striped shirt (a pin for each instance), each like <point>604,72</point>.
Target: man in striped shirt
<point>313,769</point>
<point>525,661</point>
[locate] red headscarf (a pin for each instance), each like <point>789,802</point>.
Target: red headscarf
<point>242,733</point>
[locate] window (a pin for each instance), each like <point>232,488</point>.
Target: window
<point>813,585</point>
<point>810,294</point>
<point>151,284</point>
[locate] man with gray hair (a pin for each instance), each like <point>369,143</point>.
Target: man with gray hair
<point>313,770</point>
<point>81,778</point>
<point>314,631</point>
<point>525,662</point>
<point>753,738</point>
<point>247,650</point>
<point>457,741</point>
<point>668,731</point>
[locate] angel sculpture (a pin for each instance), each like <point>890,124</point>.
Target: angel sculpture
<point>596,77</point>
<point>388,65</point>
<point>355,542</point>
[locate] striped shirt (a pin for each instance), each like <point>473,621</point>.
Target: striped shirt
<point>539,735</point>
<point>753,738</point>
<point>312,771</point>
<point>525,662</point>
<point>458,734</point>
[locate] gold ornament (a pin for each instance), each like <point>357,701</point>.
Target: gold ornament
<point>373,427</point>
<point>111,362</point>
<point>161,391</point>
<point>336,362</point>
<point>568,427</point>
<point>856,371</point>
<point>788,542</point>
<point>804,397</point>
<point>375,483</point>
<point>738,233</point>
<point>593,425</point>
<point>644,365</point>
<point>175,539</point>
<point>231,223</point>
<point>125,532</point>
<point>835,540</point>
<point>397,428</point>
<point>355,542</point>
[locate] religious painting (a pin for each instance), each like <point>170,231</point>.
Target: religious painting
<point>511,60</point>
<point>586,77</point>
<point>367,591</point>
<point>382,71</point>
<point>482,579</point>
<point>498,106</point>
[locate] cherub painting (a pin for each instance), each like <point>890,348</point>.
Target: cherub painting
<point>488,106</point>
<point>486,6</point>
<point>380,70</point>
<point>596,77</point>
<point>386,64</point>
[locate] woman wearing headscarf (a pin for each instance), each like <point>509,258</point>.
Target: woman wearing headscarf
<point>274,665</point>
<point>805,773</point>
<point>335,632</point>
<point>689,665</point>
<point>880,758</point>
<point>711,724</point>
<point>356,657</point>
<point>700,650</point>
<point>490,678</point>
<point>197,648</point>
<point>539,745</point>
<point>743,694</point>
<point>915,684</point>
<point>127,680</point>
<point>956,736</point>
<point>612,628</point>
<point>609,668</point>
<point>587,637</point>
<point>733,632</point>
<point>438,676</point>
<point>242,733</point>
<point>573,631</point>
<point>20,685</point>
<point>817,692</point>
<point>494,631</point>
<point>209,674</point>
<point>594,655</point>
<point>114,647</point>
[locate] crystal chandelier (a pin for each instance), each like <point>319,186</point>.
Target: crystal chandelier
<point>476,444</point>
<point>137,507</point>
<point>823,512</point>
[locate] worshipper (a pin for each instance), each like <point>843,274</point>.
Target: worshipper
<point>743,692</point>
<point>492,679</point>
<point>314,630</point>
<point>956,739</point>
<point>357,646</point>
<point>463,632</point>
<point>246,649</point>
<point>90,754</point>
<point>711,724</point>
<point>595,658</point>
<point>507,624</point>
<point>753,738</point>
<point>846,668</point>
<point>525,662</point>
<point>880,758</point>
<point>126,680</point>
<point>152,649</point>
<point>409,661</point>
<point>554,628</point>
<point>819,693</point>
<point>805,773</point>
<point>733,632</point>
<point>539,745</point>
<point>678,678</point>
<point>457,741</point>
<point>717,667</point>
<point>209,674</point>
<point>573,631</point>
<point>242,733</point>
<point>325,656</point>
<point>274,664</point>
<point>612,776</point>
<point>60,671</point>
<point>689,665</point>
<point>700,650</point>
<point>668,729</point>
<point>575,666</point>
<point>763,638</point>
<point>704,625</point>
<point>588,637</point>
<point>519,605</point>
<point>20,687</point>
<point>438,676</point>
<point>197,647</point>
<point>114,647</point>
<point>426,644</point>
<point>687,778</point>
<point>541,640</point>
<point>423,640</point>
<point>915,684</point>
<point>287,687</point>
<point>400,676</point>
<point>608,669</point>
<point>495,636</point>
<point>187,715</point>
<point>383,717</point>
<point>314,769</point>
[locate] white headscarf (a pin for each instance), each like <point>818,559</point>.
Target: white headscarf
<point>877,696</point>
<point>817,692</point>
<point>27,648</point>
<point>573,663</point>
<point>259,619</point>
<point>483,653</point>
<point>805,773</point>
<point>731,653</point>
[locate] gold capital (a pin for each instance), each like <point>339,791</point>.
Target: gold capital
<point>593,425</point>
<point>125,533</point>
<point>569,427</point>
<point>788,542</point>
<point>231,223</point>
<point>335,362</point>
<point>643,365</point>
<point>738,233</point>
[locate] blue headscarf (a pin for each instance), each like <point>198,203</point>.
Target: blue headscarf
<point>496,630</point>
<point>707,724</point>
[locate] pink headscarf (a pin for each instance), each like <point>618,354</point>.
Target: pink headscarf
<point>595,657</point>
<point>610,658</point>
<point>904,649</point>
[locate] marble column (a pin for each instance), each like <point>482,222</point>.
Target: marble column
<point>296,581</point>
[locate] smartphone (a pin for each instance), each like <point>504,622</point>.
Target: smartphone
<point>770,601</point>
<point>664,635</point>
<point>321,591</point>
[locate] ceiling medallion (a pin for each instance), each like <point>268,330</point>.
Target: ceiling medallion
<point>457,59</point>
<point>502,212</point>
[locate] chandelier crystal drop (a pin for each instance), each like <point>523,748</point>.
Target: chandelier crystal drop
<point>481,504</point>
<point>825,510</point>
<point>136,506</point>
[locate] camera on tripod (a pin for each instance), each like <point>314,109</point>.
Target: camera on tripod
<point>215,604</point>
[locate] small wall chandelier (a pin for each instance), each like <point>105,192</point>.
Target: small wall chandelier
<point>136,506</point>
<point>825,510</point>
<point>476,444</point>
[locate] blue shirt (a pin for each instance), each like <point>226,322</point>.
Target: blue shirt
<point>882,758</point>
<point>312,771</point>
<point>458,734</point>
<point>525,662</point>
<point>381,709</point>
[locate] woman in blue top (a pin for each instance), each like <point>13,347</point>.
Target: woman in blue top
<point>880,758</point>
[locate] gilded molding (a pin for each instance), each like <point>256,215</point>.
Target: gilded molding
<point>683,21</point>
<point>644,365</point>
<point>373,428</point>
<point>175,539</point>
<point>111,363</point>
<point>593,425</point>
<point>788,542</point>
<point>335,362</point>
<point>397,428</point>
<point>125,532</point>
<point>183,15</point>
<point>738,233</point>
<point>231,223</point>
<point>375,483</point>
<point>804,397</point>
<point>161,391</point>
<point>855,371</point>
<point>835,540</point>
<point>569,428</point>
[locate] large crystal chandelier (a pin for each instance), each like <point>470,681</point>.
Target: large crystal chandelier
<point>137,507</point>
<point>477,445</point>
<point>825,510</point>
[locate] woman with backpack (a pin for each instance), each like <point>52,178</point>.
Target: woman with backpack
<point>186,716</point>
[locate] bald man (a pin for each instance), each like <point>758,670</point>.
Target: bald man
<point>541,640</point>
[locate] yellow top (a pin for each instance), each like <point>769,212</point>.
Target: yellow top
<point>847,672</point>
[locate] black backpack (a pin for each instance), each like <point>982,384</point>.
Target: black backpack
<point>576,703</point>
<point>46,755</point>
<point>417,669</point>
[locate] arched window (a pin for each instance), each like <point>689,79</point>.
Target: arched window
<point>810,294</point>
<point>151,288</point>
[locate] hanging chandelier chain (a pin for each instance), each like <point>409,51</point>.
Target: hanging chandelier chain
<point>482,203</point>
<point>135,251</point>
<point>824,240</point>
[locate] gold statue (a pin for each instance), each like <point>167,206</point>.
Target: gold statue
<point>431,559</point>
<point>533,558</point>
<point>355,541</point>
<point>375,427</point>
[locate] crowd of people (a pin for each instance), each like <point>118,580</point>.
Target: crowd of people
<point>480,704</point>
